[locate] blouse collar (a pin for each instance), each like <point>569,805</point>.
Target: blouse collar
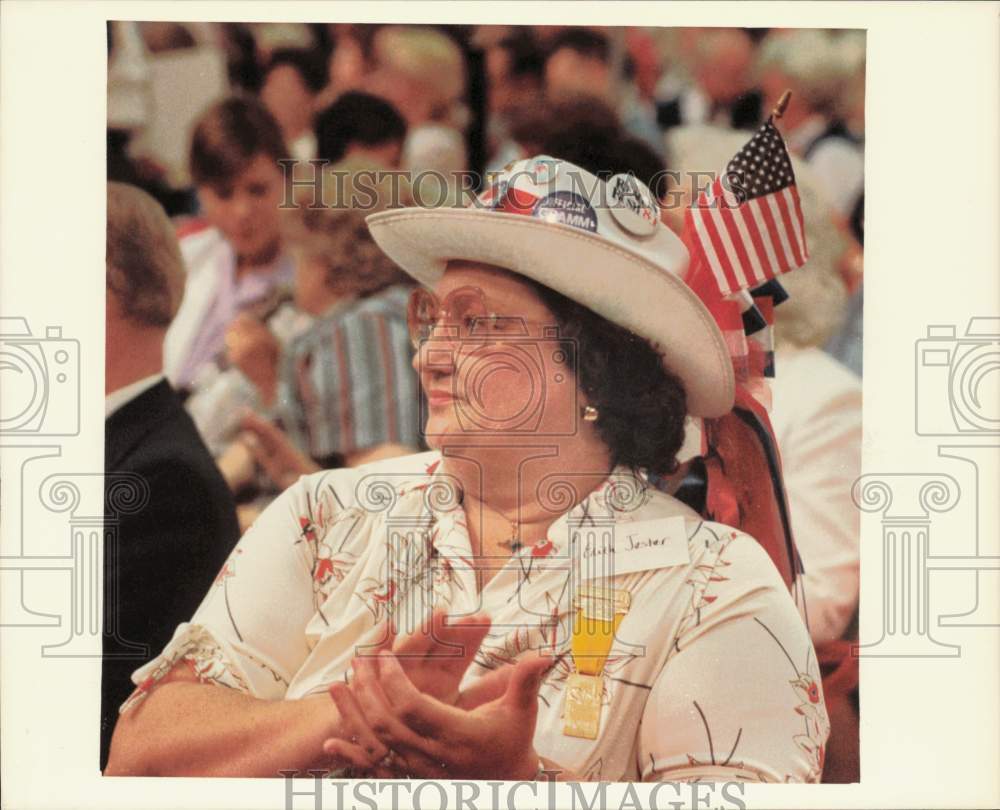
<point>615,500</point>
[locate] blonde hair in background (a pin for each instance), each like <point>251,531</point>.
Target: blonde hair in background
<point>820,62</point>
<point>145,271</point>
<point>817,302</point>
<point>426,61</point>
<point>425,54</point>
<point>335,235</point>
<point>817,291</point>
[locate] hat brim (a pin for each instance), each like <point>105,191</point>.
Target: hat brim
<point>619,285</point>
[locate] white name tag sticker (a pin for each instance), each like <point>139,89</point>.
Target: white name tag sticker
<point>631,547</point>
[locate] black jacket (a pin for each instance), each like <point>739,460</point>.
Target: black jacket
<point>167,553</point>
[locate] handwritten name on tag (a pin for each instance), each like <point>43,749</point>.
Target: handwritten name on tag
<point>632,547</point>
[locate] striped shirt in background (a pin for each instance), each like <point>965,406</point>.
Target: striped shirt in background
<point>347,384</point>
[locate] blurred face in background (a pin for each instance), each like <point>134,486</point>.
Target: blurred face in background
<point>289,100</point>
<point>347,66</point>
<point>724,65</point>
<point>569,74</point>
<point>407,94</point>
<point>246,208</point>
<point>507,91</point>
<point>497,76</point>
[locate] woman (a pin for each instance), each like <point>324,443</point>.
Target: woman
<point>599,629</point>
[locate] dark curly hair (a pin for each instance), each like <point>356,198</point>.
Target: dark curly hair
<point>641,403</point>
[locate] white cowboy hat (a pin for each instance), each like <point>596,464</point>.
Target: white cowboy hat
<point>600,243</point>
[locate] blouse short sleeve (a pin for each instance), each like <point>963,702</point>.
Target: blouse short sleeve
<point>739,697</point>
<point>249,631</point>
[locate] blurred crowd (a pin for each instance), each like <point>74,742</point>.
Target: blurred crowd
<point>290,344</point>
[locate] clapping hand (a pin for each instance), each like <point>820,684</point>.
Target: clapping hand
<point>403,714</point>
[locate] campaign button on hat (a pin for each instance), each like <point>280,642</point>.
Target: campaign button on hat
<point>566,208</point>
<point>632,205</point>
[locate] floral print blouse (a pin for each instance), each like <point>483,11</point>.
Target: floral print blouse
<point>711,675</point>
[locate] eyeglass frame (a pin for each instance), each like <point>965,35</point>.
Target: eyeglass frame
<point>418,336</point>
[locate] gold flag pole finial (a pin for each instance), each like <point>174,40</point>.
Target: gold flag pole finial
<point>782,105</point>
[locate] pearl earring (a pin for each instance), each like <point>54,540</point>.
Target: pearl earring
<point>590,414</point>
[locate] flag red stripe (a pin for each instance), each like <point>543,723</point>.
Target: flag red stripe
<point>754,211</point>
<point>802,223</point>
<point>793,239</point>
<point>772,233</point>
<point>758,244</point>
<point>693,225</point>
<point>732,256</point>
<point>797,224</point>
<point>719,250</point>
<point>727,215</point>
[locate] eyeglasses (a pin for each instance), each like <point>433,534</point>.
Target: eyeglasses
<point>463,315</point>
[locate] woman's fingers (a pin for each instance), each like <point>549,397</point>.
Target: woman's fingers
<point>425,638</point>
<point>467,632</point>
<point>436,655</point>
<point>424,714</point>
<point>489,687</point>
<point>524,682</point>
<point>354,723</point>
<point>346,753</point>
<point>446,636</point>
<point>377,709</point>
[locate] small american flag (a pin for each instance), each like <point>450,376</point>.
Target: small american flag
<point>747,226</point>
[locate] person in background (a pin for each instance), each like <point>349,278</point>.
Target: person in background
<point>590,144</point>
<point>825,125</point>
<point>550,128</point>
<point>366,133</point>
<point>580,63</point>
<point>130,75</point>
<point>165,555</point>
<point>343,392</point>
<point>646,64</point>
<point>847,344</point>
<point>514,65</point>
<point>810,63</point>
<point>713,85</point>
<point>849,106</point>
<point>292,80</point>
<point>350,60</point>
<point>360,127</point>
<point>234,254</point>
<point>421,71</point>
